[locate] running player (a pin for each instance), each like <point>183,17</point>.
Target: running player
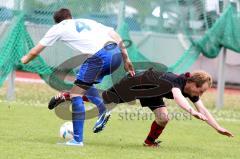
<point>87,37</point>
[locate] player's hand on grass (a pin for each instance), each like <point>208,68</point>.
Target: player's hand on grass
<point>199,116</point>
<point>224,131</point>
<point>128,66</point>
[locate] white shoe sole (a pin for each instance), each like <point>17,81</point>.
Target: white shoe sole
<point>71,144</point>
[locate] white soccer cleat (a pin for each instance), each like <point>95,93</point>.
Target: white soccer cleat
<point>74,143</point>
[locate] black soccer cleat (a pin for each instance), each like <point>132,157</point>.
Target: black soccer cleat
<point>155,144</point>
<point>56,100</point>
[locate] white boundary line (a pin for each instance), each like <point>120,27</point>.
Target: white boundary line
<point>29,80</point>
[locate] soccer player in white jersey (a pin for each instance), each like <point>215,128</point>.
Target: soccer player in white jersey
<point>103,44</point>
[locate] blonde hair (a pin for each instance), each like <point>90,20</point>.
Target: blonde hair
<point>200,77</point>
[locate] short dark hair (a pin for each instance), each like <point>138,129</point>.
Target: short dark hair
<point>61,15</point>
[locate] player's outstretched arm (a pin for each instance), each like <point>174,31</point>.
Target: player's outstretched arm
<point>127,62</point>
<point>183,103</point>
<point>210,119</point>
<point>32,53</point>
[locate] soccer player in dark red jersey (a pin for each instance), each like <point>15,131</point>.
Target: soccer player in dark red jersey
<point>151,86</point>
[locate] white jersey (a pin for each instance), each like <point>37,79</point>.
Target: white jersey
<point>84,35</point>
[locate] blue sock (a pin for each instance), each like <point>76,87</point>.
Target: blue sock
<point>93,95</point>
<point>78,116</point>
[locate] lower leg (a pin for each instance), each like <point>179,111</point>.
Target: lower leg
<point>78,113</point>
<point>155,131</point>
<point>158,125</point>
<point>78,117</point>
<point>93,96</point>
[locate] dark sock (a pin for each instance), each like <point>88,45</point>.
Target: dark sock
<point>154,133</point>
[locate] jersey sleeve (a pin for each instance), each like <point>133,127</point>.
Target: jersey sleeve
<point>175,80</point>
<point>51,36</point>
<point>178,83</point>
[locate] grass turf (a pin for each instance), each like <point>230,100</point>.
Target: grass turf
<point>29,130</point>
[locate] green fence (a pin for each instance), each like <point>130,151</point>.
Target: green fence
<point>191,28</point>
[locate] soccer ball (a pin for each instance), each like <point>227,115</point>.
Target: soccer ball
<point>66,130</point>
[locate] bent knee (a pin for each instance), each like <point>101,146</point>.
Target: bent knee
<point>162,121</point>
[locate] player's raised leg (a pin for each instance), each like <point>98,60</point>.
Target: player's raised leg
<point>104,115</point>
<point>59,98</point>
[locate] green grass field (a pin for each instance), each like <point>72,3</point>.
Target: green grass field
<point>28,130</point>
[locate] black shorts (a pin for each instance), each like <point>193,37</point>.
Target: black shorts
<point>83,85</point>
<point>152,102</point>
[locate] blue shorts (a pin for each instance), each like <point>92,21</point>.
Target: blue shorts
<point>102,63</point>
